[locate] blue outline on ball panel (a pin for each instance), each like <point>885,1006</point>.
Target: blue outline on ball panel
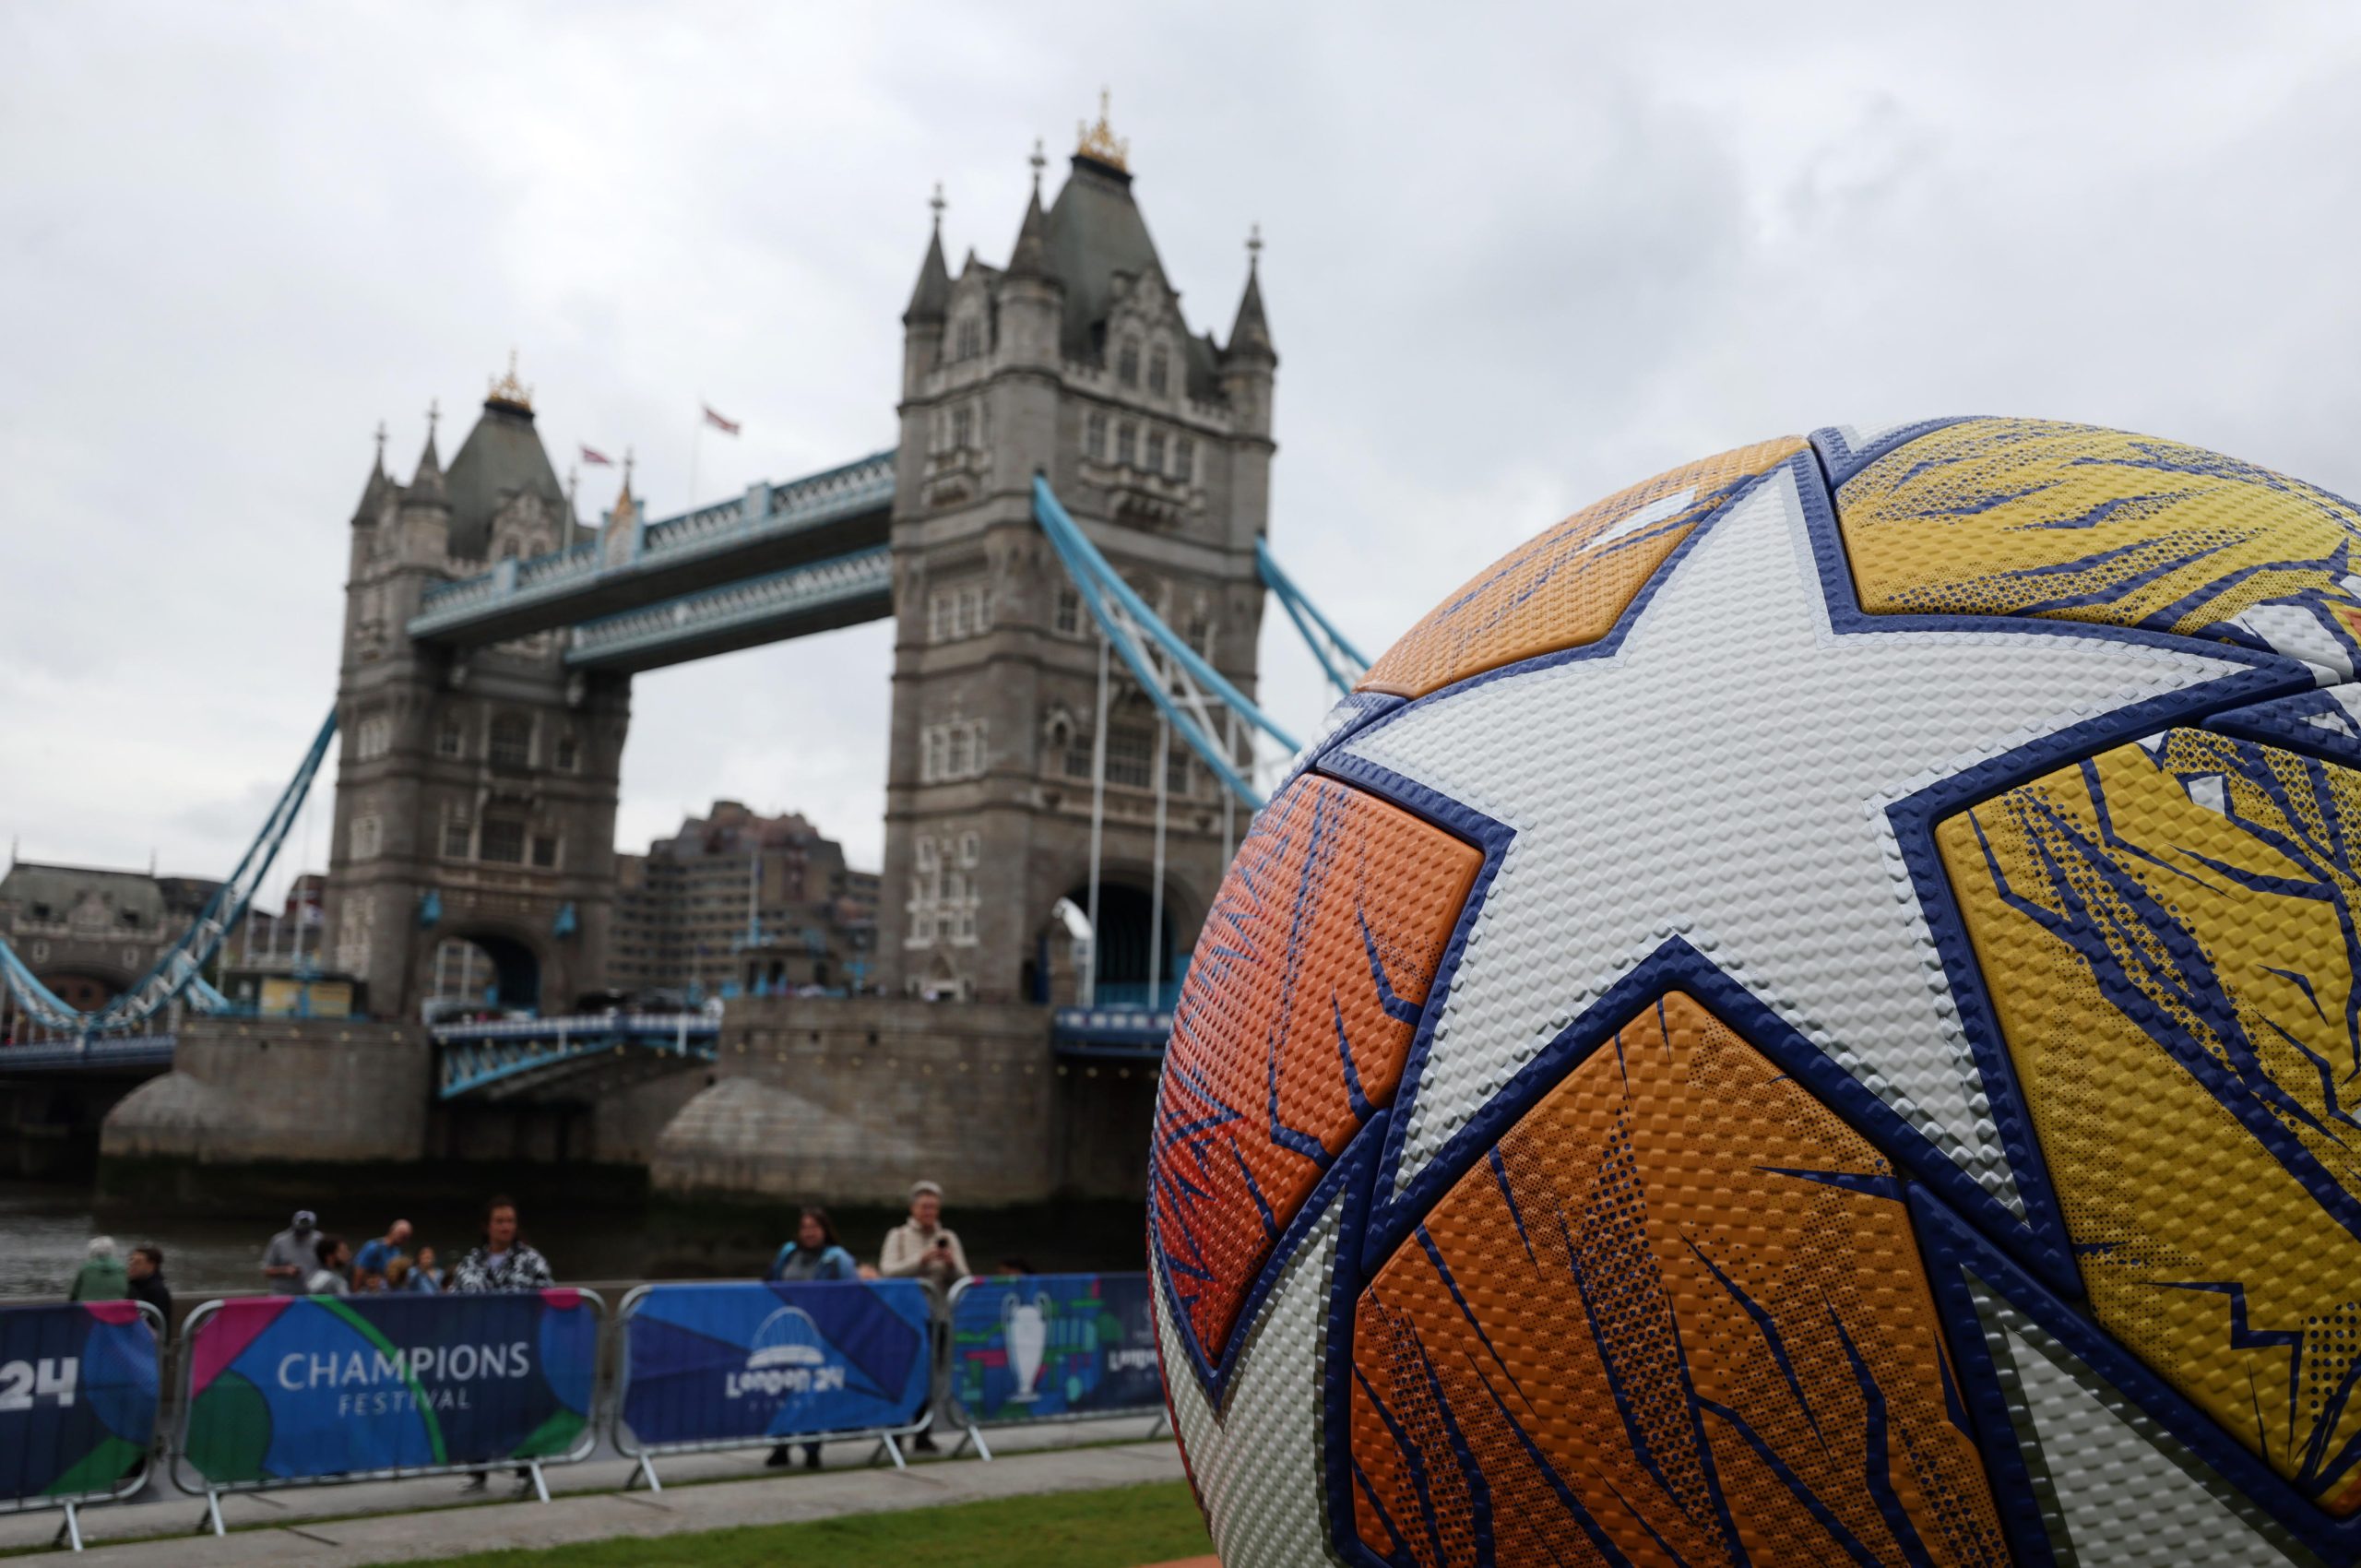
<point>1349,1173</point>
<point>1840,460</point>
<point>2041,1235</point>
<point>2283,725</point>
<point>1370,707</point>
<point>1952,1248</point>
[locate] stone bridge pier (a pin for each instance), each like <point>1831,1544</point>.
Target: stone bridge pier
<point>849,1100</point>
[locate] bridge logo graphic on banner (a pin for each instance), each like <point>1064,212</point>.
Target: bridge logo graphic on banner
<point>289,1387</point>
<point>1033,1347</point>
<point>710,1364</point>
<point>77,1399</point>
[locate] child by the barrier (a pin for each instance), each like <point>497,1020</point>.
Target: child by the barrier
<point>815,1253</point>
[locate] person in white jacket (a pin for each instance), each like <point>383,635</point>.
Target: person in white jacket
<point>924,1248</point>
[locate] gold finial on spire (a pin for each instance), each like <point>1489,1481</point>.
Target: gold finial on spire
<point>434,416</point>
<point>1099,142</point>
<point>1253,246</point>
<point>509,392</point>
<point>936,202</point>
<point>625,508</point>
<point>381,444</point>
<point>1039,163</point>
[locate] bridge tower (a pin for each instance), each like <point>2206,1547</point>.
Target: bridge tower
<point>476,789</point>
<point>1075,362</point>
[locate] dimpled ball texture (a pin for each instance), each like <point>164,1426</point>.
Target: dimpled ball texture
<point>1805,1014</point>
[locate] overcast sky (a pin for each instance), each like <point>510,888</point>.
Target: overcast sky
<point>1514,260</point>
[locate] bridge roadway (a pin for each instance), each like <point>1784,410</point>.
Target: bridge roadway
<point>797,541</point>
<point>493,1059</point>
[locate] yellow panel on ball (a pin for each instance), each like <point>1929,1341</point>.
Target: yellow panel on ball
<point>1569,584</point>
<point>2006,516</point>
<point>2167,932</point>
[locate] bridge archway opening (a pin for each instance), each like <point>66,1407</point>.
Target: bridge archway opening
<point>85,990</point>
<point>486,967</point>
<point>1125,974</point>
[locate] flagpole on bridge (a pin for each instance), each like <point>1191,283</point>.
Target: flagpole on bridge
<point>706,416</point>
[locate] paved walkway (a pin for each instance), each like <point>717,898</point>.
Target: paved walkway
<point>419,1520</point>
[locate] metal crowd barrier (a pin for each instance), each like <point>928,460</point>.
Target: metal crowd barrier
<point>80,1385</point>
<point>1029,1349</point>
<point>746,1364</point>
<point>288,1391</point>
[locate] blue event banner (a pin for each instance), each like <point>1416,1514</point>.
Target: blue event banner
<point>306,1387</point>
<point>722,1363</point>
<point>1030,1346</point>
<point>77,1399</point>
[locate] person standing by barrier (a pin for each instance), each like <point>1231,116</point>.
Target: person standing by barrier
<point>506,1261</point>
<point>101,1277</point>
<point>380,1250</point>
<point>424,1278</point>
<point>924,1248</point>
<point>290,1259</point>
<point>815,1253</point>
<point>329,1278</point>
<point>146,1271</point>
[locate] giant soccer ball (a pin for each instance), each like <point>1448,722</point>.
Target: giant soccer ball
<point>1807,1015</point>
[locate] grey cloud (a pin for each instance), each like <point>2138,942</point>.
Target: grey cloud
<point>1518,257</point>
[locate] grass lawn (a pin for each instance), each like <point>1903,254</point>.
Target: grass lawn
<point>1117,1527</point>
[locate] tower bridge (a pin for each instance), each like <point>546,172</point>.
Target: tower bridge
<point>1070,537</point>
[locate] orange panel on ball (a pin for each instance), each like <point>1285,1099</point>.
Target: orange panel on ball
<point>1292,1025</point>
<point>1570,585</point>
<point>1678,1316</point>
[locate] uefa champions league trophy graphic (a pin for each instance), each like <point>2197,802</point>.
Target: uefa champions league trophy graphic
<point>1027,1325</point>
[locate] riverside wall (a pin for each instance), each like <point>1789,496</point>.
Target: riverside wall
<point>826,1099</point>
<point>245,1091</point>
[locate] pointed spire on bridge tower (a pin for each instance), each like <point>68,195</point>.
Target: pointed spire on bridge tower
<point>931,297</point>
<point>428,480</point>
<point>1031,257</point>
<point>1249,333</point>
<point>1032,296</point>
<point>372,493</point>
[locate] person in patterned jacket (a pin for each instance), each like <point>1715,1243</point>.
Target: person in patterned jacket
<point>506,1261</point>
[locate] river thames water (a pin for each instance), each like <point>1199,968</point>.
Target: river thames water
<point>45,1232</point>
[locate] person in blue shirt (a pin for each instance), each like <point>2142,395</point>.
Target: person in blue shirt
<point>814,1254</point>
<point>378,1256</point>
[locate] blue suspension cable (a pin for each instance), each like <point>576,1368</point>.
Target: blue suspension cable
<point>1343,663</point>
<point>1100,583</point>
<point>180,968</point>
